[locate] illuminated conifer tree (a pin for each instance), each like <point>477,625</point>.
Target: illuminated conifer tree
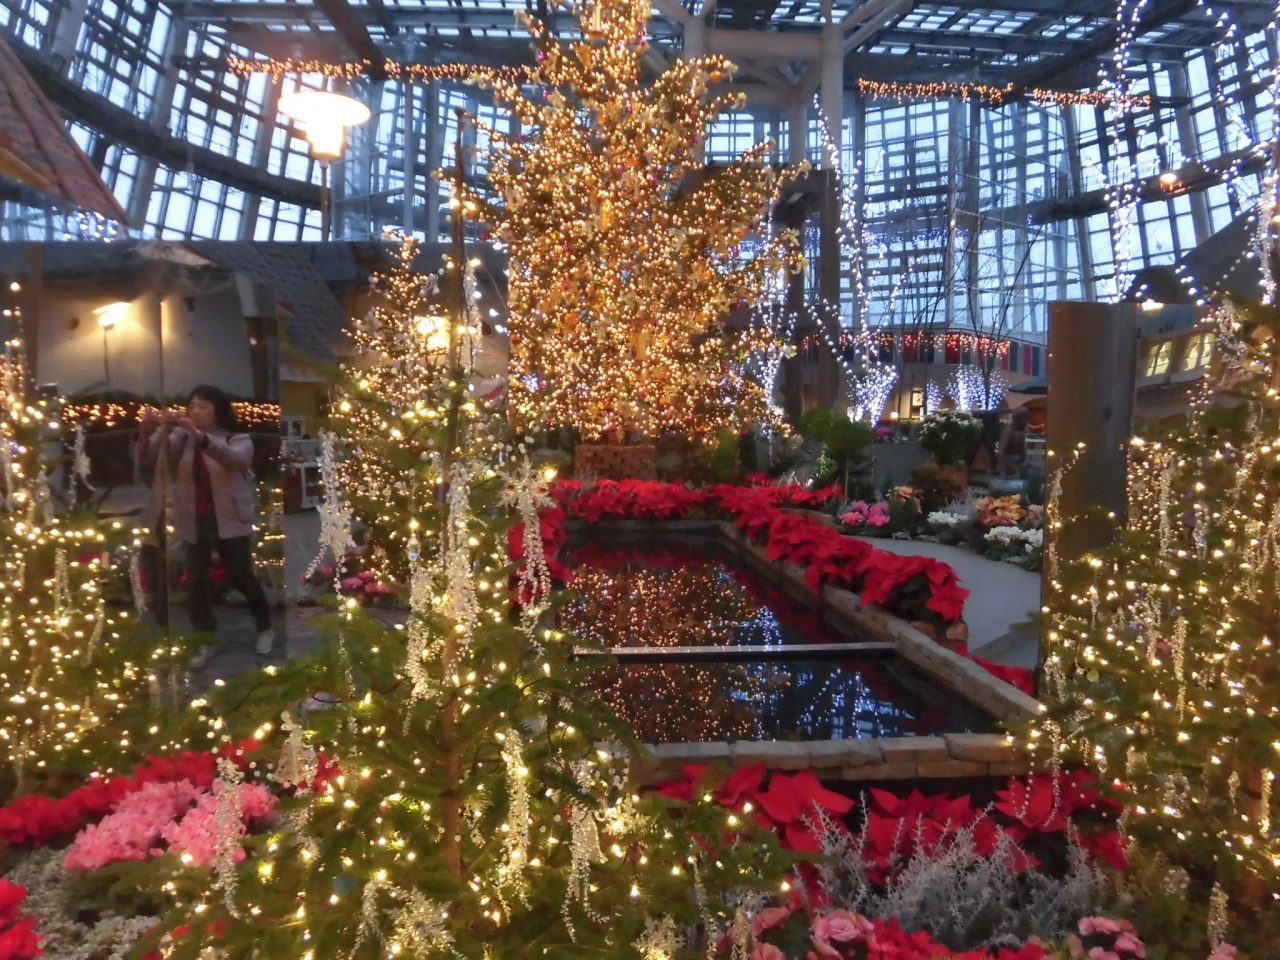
<point>474,814</point>
<point>1161,668</point>
<point>72,687</point>
<point>627,249</point>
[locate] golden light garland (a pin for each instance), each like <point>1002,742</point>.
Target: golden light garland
<point>893,90</point>
<point>349,70</point>
<point>996,96</point>
<point>250,413</point>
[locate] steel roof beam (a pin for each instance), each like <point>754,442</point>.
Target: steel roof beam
<point>351,26</point>
<point>1101,44</point>
<point>126,128</point>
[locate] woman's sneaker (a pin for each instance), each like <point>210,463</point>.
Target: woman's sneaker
<point>266,640</point>
<point>203,655</point>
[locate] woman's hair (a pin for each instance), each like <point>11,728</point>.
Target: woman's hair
<point>223,413</point>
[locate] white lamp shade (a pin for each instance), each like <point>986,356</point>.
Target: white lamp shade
<point>324,116</point>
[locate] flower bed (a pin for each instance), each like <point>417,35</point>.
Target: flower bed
<point>196,809</point>
<point>914,588</point>
<point>1000,528</point>
<point>920,877</point>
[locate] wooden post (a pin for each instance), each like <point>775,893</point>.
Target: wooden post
<point>1093,359</point>
<point>32,292</point>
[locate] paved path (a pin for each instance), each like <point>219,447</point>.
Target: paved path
<point>1003,599</point>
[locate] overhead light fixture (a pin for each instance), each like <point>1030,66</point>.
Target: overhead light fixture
<point>1151,306</point>
<point>1168,178</point>
<point>111,314</point>
<point>324,117</point>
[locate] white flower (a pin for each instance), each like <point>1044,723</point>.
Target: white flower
<point>943,518</point>
<point>1031,540</point>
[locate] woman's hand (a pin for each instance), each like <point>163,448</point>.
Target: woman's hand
<point>185,423</point>
<point>150,419</point>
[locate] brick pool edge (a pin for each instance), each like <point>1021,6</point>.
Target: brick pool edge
<point>950,755</point>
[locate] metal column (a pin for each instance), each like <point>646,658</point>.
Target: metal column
<point>1189,146</point>
<point>66,36</point>
<point>833,91</point>
<point>1081,224</point>
<point>158,118</point>
<point>261,156</point>
<point>435,146</point>
<point>408,154</point>
<point>797,130</point>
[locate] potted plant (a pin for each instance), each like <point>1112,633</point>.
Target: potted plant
<point>951,437</point>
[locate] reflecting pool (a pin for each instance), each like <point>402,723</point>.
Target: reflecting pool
<point>707,650</point>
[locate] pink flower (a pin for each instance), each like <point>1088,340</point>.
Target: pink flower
<point>1074,946</point>
<point>840,926</point>
<point>1097,953</point>
<point>130,831</point>
<point>352,583</point>
<point>196,835</point>
<point>768,918</point>
<point>1091,925</point>
<point>256,801</point>
<point>1128,943</point>
<point>767,951</point>
<point>1223,951</point>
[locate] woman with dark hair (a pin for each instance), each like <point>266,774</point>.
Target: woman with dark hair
<point>213,507</point>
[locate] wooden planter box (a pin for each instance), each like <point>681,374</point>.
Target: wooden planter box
<point>616,463</point>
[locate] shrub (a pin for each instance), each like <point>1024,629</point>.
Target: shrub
<point>845,444</point>
<point>950,437</point>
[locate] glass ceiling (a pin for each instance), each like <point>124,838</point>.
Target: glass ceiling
<point>1033,175</point>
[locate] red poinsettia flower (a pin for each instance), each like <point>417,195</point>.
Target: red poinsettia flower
<point>1106,845</point>
<point>11,898</point>
<point>19,942</point>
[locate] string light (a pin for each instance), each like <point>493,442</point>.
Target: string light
<point>409,72</point>
<point>111,413</point>
<point>1160,647</point>
<point>998,96</point>
<point>972,389</point>
<point>64,669</point>
<point>428,72</point>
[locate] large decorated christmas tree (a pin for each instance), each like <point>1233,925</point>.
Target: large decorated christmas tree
<point>1161,665</point>
<point>627,249</point>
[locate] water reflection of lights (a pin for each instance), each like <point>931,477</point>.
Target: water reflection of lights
<point>678,598</point>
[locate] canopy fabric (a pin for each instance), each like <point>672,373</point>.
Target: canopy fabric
<point>37,151</point>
